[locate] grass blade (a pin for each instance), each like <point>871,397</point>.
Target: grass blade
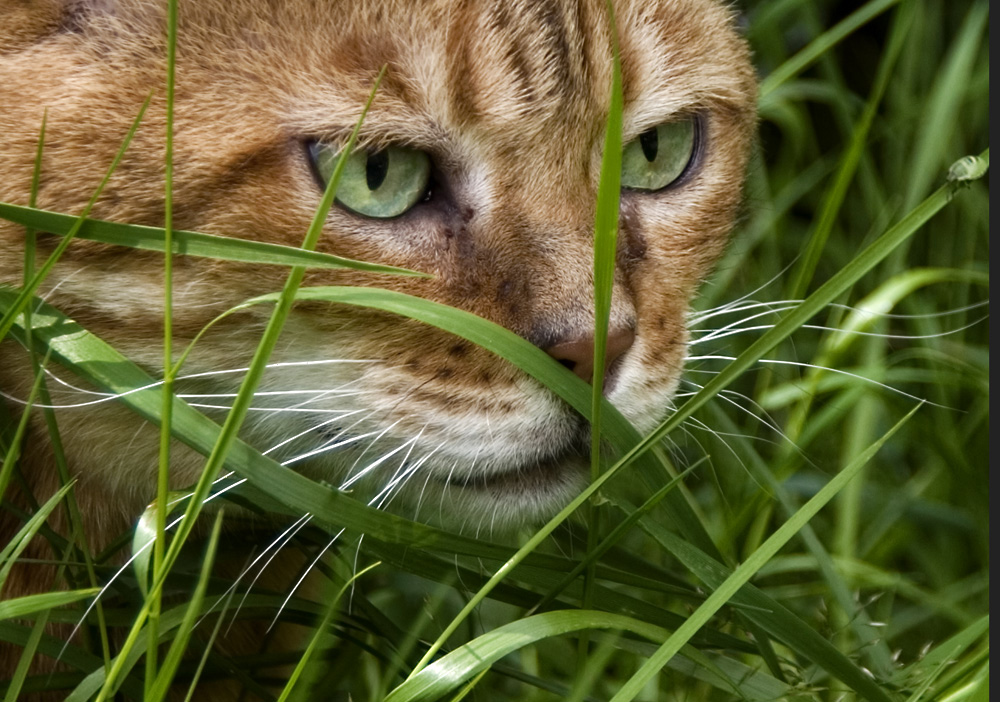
<point>871,256</point>
<point>29,290</point>
<point>739,577</point>
<point>185,242</point>
<point>24,607</point>
<point>463,663</point>
<point>165,676</point>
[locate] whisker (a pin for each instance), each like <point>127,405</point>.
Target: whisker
<point>110,396</point>
<point>326,448</point>
<point>398,478</point>
<point>720,436</point>
<point>276,545</point>
<point>737,324</point>
<point>370,444</point>
<point>276,393</point>
<point>379,501</point>
<point>374,464</point>
<point>313,429</point>
<point>756,290</point>
<point>423,490</point>
<point>856,332</point>
<point>405,477</point>
<point>298,583</point>
<point>823,368</point>
<point>733,308</point>
<point>769,422</point>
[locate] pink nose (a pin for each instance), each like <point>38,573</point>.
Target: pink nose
<point>578,354</point>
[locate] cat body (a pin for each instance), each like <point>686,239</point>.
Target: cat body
<point>508,100</point>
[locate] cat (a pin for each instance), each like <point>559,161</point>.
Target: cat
<point>478,164</point>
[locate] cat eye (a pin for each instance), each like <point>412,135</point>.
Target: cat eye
<point>660,155</point>
<point>379,183</point>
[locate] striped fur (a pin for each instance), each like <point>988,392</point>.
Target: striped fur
<point>508,97</point>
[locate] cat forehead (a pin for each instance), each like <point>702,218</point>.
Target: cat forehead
<point>531,67</point>
<point>498,65</point>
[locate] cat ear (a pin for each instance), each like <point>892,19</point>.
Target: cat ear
<point>23,23</point>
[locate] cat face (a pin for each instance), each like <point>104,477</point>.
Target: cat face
<point>488,127</point>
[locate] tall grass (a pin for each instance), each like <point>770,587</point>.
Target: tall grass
<point>810,523</point>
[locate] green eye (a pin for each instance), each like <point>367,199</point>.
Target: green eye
<point>659,156</point>
<point>384,183</point>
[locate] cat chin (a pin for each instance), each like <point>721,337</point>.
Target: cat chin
<point>505,498</point>
<point>502,501</point>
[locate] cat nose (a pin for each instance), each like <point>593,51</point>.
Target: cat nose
<point>578,354</point>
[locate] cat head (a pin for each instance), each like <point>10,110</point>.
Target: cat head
<point>479,165</point>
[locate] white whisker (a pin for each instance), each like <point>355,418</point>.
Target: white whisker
<point>369,446</point>
<point>326,448</point>
<point>301,579</point>
<point>313,429</point>
<point>374,464</point>
<point>769,307</point>
<point>908,337</point>
<point>822,368</point>
<point>276,545</point>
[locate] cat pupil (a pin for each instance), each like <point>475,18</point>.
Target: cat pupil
<point>649,140</point>
<point>376,167</point>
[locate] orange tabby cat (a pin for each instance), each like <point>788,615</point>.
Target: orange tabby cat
<point>480,165</point>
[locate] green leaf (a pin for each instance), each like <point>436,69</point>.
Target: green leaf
<point>466,661</point>
<point>164,678</point>
<point>7,320</point>
<point>741,576</point>
<point>25,607</point>
<point>822,44</point>
<point>14,548</point>
<point>185,242</point>
<point>865,261</point>
<point>144,535</point>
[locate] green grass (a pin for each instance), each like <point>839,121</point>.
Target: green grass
<point>829,539</point>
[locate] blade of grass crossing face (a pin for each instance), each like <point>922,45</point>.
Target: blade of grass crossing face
<point>29,290</point>
<point>241,404</point>
<point>185,242</point>
<point>152,677</point>
<point>97,362</point>
<point>744,572</point>
<point>605,247</point>
<point>606,240</point>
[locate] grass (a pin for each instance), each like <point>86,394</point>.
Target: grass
<point>828,538</point>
